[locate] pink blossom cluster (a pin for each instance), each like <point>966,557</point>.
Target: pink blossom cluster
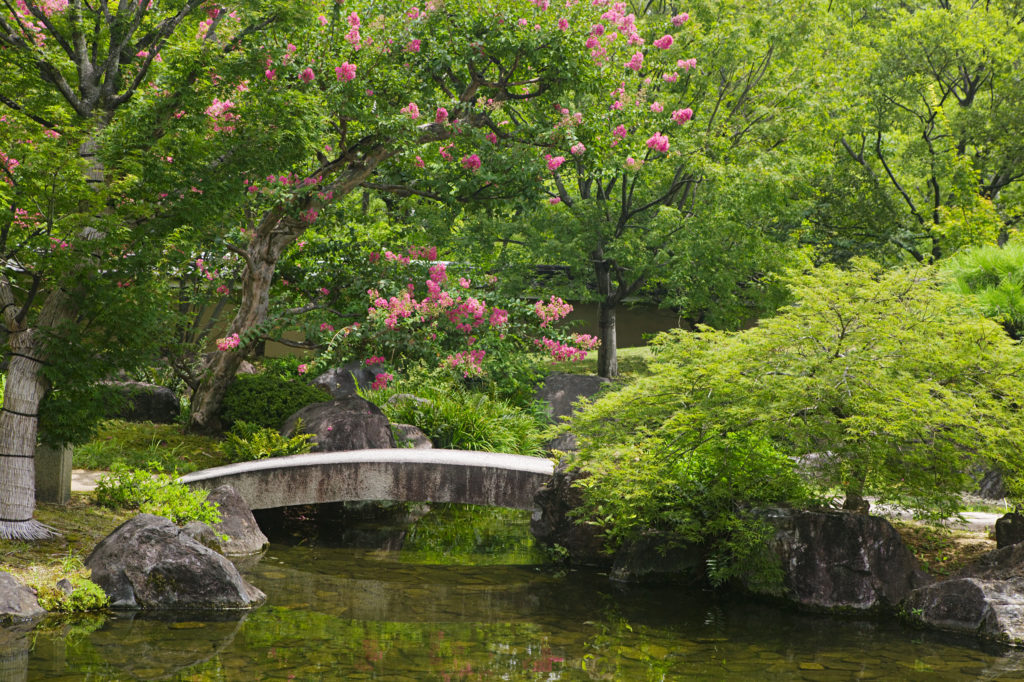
<point>412,110</point>
<point>220,112</point>
<point>555,309</point>
<point>205,271</point>
<point>687,64</point>
<point>498,317</point>
<point>424,252</point>
<point>586,341</point>
<point>374,360</point>
<point>554,162</point>
<point>681,116</point>
<point>680,19</point>
<point>346,72</point>
<point>228,342</point>
<point>658,142</point>
<point>664,42</point>
<point>468,314</point>
<point>396,258</point>
<point>469,360</point>
<point>381,381</point>
<point>471,162</point>
<point>561,351</point>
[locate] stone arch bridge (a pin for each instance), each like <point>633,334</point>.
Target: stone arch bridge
<point>402,475</point>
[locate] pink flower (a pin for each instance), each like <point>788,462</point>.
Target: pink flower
<point>324,327</point>
<point>413,46</point>
<point>412,110</point>
<point>554,200</point>
<point>52,134</point>
<point>464,283</point>
<point>633,163</point>
<point>223,289</point>
<point>554,162</point>
<point>353,20</point>
<point>322,19</point>
<point>636,62</point>
<point>687,64</point>
<point>616,105</point>
<point>441,116</point>
<point>492,138</point>
<point>303,368</point>
<point>471,162</point>
<point>353,37</point>
<point>381,381</point>
<point>270,74</point>
<point>324,291</point>
<point>658,142</point>
<point>563,24</point>
<point>656,107</point>
<point>681,116</point>
<point>577,149</point>
<point>670,77</point>
<point>620,131</point>
<point>374,360</point>
<point>345,72</point>
<point>498,317</point>
<point>680,19</point>
<point>374,257</point>
<point>228,343</point>
<point>597,30</point>
<point>664,42</point>
<point>307,75</point>
<point>419,162</point>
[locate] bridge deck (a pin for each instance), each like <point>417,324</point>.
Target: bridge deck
<point>485,478</point>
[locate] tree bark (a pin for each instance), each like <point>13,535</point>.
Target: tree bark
<point>268,243</point>
<point>607,352</point>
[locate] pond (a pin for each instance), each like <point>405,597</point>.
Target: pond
<point>455,593</point>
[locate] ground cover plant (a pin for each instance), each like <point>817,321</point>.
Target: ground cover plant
<point>156,493</point>
<point>872,383</point>
<point>138,445</point>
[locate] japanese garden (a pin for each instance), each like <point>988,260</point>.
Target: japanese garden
<point>511,339</point>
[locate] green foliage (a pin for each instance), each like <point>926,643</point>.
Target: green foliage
<point>456,418</point>
<point>85,595</point>
<point>878,383</point>
<point>157,494</point>
<point>994,277</point>
<point>138,444</point>
<point>246,442</point>
<point>266,400</point>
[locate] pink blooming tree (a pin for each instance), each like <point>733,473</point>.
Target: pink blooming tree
<point>481,71</point>
<point>638,174</point>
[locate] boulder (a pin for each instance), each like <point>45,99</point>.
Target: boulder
<point>1009,529</point>
<point>833,560</point>
<point>340,382</point>
<point>409,436</point>
<point>150,563</point>
<point>992,609</point>
<point>141,402</point>
<point>561,392</point>
<point>17,602</point>
<point>552,524</point>
<point>236,522</point>
<point>656,558</point>
<point>343,424</point>
<point>992,486</point>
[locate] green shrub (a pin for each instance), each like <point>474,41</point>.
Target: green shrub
<point>157,494</point>
<point>266,400</point>
<point>85,594</point>
<point>246,442</point>
<point>883,384</point>
<point>459,419</point>
<point>994,277</point>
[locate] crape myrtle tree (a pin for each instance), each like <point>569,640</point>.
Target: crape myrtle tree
<point>925,110</point>
<point>79,237</point>
<point>674,178</point>
<point>451,98</point>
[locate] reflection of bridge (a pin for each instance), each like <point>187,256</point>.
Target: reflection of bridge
<point>404,475</point>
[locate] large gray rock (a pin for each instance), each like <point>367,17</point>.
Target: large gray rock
<point>150,563</point>
<point>839,560</point>
<point>553,525</point>
<point>237,522</point>
<point>409,436</point>
<point>17,601</point>
<point>1009,529</point>
<point>659,558</point>
<point>991,609</point>
<point>343,424</point>
<point>340,382</point>
<point>992,486</point>
<point>986,598</point>
<point>141,402</point>
<point>561,392</point>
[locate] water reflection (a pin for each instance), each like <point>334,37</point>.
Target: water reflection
<point>338,613</point>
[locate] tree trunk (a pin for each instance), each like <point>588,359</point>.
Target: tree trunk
<point>262,256</point>
<point>607,352</point>
<point>19,423</point>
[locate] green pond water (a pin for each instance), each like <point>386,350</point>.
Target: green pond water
<point>457,594</point>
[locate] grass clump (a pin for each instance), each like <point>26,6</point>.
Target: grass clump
<point>78,594</point>
<point>137,444</point>
<point>157,494</point>
<point>942,551</point>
